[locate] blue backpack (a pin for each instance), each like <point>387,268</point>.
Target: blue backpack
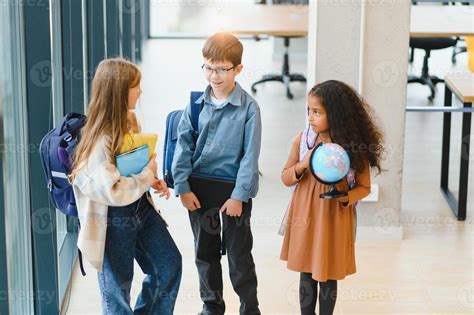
<point>171,137</point>
<point>55,151</point>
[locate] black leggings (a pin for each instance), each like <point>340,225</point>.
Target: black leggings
<point>309,295</point>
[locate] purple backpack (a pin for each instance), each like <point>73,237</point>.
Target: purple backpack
<point>55,150</point>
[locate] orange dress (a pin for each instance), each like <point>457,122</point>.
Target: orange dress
<point>319,236</point>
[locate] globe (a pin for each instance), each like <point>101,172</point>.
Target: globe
<point>329,164</point>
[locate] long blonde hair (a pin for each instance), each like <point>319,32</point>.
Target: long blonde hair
<point>108,109</point>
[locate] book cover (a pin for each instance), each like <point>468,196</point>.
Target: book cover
<point>133,161</point>
<point>132,141</point>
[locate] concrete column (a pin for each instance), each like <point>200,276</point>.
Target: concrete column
<point>364,43</point>
<point>334,41</point>
<point>383,83</point>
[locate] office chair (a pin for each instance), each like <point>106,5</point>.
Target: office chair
<point>428,44</point>
<point>285,77</point>
<point>458,50</point>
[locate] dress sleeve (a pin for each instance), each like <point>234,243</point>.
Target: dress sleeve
<point>288,175</point>
<point>359,191</point>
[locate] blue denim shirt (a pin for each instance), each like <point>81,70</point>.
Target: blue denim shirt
<point>228,146</point>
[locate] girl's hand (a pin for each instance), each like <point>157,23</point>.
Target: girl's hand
<point>161,188</point>
<point>306,159</point>
<point>303,165</point>
<point>152,165</point>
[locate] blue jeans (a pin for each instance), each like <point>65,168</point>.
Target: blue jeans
<point>137,232</point>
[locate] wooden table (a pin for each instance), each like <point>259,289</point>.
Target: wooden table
<point>273,20</point>
<point>292,20</point>
<point>286,21</point>
<point>441,21</point>
<point>244,19</point>
<point>462,86</point>
<point>289,21</point>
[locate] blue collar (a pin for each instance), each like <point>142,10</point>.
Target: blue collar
<point>234,97</point>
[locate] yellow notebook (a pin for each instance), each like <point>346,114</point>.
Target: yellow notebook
<point>134,140</point>
<point>470,52</point>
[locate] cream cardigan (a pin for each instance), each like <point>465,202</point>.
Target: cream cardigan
<point>97,186</point>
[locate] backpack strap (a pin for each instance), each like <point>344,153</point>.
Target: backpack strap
<point>81,263</point>
<point>195,111</point>
<point>47,165</point>
<point>72,122</point>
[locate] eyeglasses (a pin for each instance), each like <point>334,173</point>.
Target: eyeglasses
<point>220,71</point>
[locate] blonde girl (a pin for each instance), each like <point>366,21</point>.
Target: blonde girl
<point>119,221</point>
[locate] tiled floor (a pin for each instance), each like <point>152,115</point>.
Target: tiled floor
<point>429,272</point>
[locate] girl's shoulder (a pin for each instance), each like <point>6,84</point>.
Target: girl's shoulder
<point>101,146</point>
<point>296,142</point>
<point>297,138</point>
<point>97,156</point>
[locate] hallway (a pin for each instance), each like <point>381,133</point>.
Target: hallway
<point>428,272</point>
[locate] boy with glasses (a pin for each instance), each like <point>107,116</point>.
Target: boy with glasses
<point>217,173</point>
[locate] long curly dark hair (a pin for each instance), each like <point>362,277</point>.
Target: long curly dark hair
<point>351,123</point>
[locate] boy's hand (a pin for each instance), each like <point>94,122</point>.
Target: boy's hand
<point>190,201</point>
<point>232,207</point>
<point>161,188</point>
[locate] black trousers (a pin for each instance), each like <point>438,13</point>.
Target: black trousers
<point>309,295</point>
<point>237,240</point>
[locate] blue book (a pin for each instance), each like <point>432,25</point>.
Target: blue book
<point>134,161</point>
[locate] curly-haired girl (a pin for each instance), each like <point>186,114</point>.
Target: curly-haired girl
<point>320,233</point>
